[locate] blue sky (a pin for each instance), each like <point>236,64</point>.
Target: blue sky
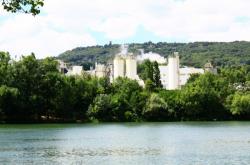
<point>66,24</point>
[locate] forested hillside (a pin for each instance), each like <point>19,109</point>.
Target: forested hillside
<point>191,54</point>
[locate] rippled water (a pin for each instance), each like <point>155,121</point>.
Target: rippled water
<point>186,143</point>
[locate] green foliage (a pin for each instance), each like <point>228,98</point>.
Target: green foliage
<point>34,90</point>
<point>239,104</point>
<point>204,97</point>
<point>5,68</point>
<point>26,6</point>
<point>150,73</point>
<point>101,108</point>
<point>87,56</point>
<point>8,102</point>
<point>127,99</point>
<point>156,75</point>
<point>198,53</point>
<point>236,74</point>
<point>156,109</point>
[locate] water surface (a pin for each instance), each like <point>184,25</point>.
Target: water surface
<point>187,143</point>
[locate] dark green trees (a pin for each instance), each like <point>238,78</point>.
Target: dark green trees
<point>150,73</point>
<point>240,104</point>
<point>26,6</point>
<point>203,98</point>
<point>34,90</point>
<point>124,102</point>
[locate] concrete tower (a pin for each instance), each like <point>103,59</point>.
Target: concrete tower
<point>100,70</point>
<point>119,70</point>
<point>173,72</point>
<point>131,67</point>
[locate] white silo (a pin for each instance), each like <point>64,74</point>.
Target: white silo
<point>173,72</point>
<point>131,67</point>
<point>100,70</point>
<point>119,64</point>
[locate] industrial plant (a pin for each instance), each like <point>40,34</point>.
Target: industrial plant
<point>124,64</point>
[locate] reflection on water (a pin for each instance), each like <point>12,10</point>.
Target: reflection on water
<point>144,143</point>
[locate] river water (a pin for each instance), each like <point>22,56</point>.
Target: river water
<point>183,143</point>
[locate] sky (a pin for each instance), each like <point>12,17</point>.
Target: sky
<point>66,24</point>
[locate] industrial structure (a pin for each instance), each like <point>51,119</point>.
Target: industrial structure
<point>101,70</point>
<point>75,70</point>
<point>173,76</point>
<point>125,65</point>
<point>173,72</point>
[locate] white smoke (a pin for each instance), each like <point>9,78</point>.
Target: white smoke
<point>124,49</point>
<point>152,57</point>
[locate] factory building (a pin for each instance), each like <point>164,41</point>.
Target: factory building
<point>172,76</point>
<point>131,67</point>
<point>186,72</point>
<point>118,67</point>
<point>62,67</point>
<point>75,70</point>
<point>100,70</point>
<point>125,66</point>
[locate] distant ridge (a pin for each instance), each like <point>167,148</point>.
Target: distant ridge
<point>192,54</point>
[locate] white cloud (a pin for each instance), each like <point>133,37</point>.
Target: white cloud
<point>65,24</point>
<point>24,34</point>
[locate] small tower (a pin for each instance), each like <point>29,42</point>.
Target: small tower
<point>173,72</point>
<point>131,67</point>
<point>119,67</point>
<point>100,70</point>
<point>208,67</point>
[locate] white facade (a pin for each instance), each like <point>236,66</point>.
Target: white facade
<point>125,66</point>
<point>131,67</point>
<point>164,75</point>
<point>75,70</point>
<point>119,67</point>
<point>173,77</point>
<point>62,67</point>
<point>186,72</point>
<point>100,70</point>
<point>173,72</point>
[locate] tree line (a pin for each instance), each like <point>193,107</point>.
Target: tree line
<point>33,90</point>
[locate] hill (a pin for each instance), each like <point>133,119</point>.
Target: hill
<point>191,54</point>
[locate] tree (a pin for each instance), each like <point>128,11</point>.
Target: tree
<point>193,77</point>
<point>146,70</point>
<point>26,6</point>
<point>204,98</point>
<point>5,68</point>
<point>101,108</point>
<point>149,72</point>
<point>8,103</point>
<point>156,109</point>
<point>241,104</point>
<point>156,75</point>
<point>149,85</point>
<point>125,94</point>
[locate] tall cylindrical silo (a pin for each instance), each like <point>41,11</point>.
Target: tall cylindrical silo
<point>119,64</point>
<point>131,67</point>
<point>173,72</point>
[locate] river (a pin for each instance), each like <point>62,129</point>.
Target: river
<point>181,143</point>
